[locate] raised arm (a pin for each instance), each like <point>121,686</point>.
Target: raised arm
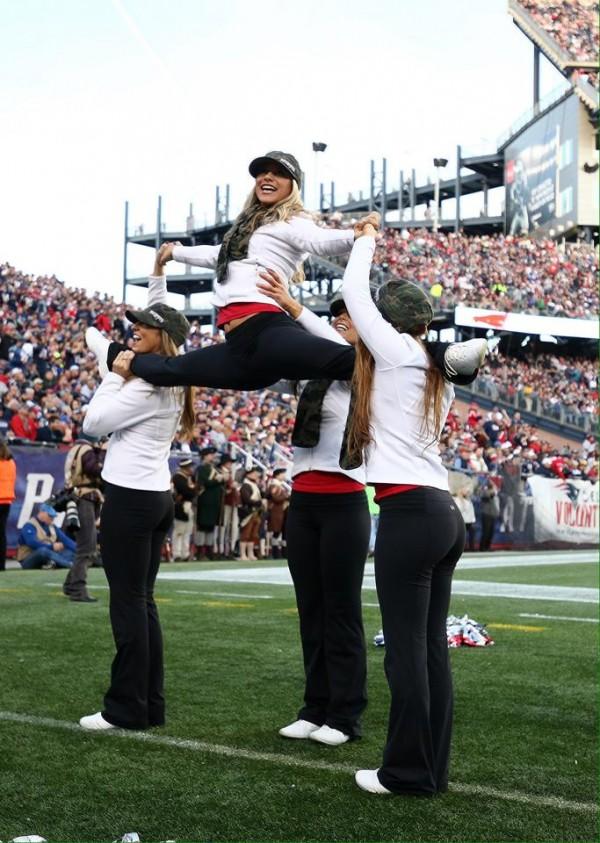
<point>205,256</point>
<point>157,282</point>
<point>389,347</point>
<point>306,236</point>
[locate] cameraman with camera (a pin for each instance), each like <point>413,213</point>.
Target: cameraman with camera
<point>82,480</point>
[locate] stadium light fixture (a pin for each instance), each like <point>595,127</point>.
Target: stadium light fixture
<point>318,146</point>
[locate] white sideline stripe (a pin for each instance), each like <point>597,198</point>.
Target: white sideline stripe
<point>557,617</point>
<point>473,588</point>
<point>226,594</point>
<point>473,564</point>
<point>288,760</point>
<point>520,591</point>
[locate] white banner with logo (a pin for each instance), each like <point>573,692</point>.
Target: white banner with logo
<point>564,510</point>
<point>526,323</point>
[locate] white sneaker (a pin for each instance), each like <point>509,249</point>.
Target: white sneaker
<point>299,729</point>
<point>98,344</point>
<point>369,781</point>
<point>95,722</point>
<point>462,358</point>
<point>332,737</point>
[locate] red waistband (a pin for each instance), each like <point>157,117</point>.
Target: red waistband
<point>238,310</point>
<point>325,483</point>
<point>384,490</point>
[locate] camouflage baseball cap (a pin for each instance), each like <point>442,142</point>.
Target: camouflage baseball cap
<point>284,159</point>
<point>162,316</point>
<point>405,305</point>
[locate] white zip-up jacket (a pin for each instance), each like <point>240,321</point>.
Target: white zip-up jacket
<point>402,452</point>
<point>282,246</point>
<point>326,455</point>
<point>142,419</point>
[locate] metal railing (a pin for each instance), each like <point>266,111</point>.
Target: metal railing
<point>568,417</point>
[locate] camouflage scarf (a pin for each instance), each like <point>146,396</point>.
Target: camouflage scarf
<point>345,461</point>
<point>307,427</point>
<point>235,243</point>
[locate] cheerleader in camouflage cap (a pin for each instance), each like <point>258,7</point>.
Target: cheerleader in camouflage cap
<point>401,402</point>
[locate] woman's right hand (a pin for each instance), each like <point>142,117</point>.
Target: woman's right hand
<point>122,364</point>
<point>367,230</point>
<point>275,288</point>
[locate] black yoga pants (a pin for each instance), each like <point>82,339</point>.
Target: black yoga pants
<point>256,354</point>
<point>327,543</point>
<point>261,351</point>
<point>133,527</point>
<point>419,541</point>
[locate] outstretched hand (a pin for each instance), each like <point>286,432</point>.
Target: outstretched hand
<point>275,288</point>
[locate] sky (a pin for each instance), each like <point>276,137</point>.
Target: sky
<point>103,101</point>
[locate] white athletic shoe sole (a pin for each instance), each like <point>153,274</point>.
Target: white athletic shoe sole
<point>98,344</point>
<point>329,736</point>
<point>369,781</point>
<point>299,730</point>
<point>95,723</point>
<point>463,358</point>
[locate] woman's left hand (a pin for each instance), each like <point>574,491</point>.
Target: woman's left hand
<point>122,365</point>
<point>274,286</point>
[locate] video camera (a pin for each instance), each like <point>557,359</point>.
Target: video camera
<point>65,501</point>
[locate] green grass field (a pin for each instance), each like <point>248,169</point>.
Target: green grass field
<point>524,764</point>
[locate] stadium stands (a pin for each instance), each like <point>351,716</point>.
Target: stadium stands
<point>501,272</point>
<point>573,24</point>
<point>47,376</point>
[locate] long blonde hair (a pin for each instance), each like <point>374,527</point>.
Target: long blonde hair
<point>188,416</point>
<point>282,211</point>
<point>360,432</point>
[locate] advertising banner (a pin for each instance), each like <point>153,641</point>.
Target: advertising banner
<point>564,510</point>
<point>540,172</point>
<point>40,472</point>
<point>526,323</point>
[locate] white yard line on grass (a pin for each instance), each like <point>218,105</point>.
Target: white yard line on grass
<point>474,588</point>
<point>520,591</point>
<point>557,617</point>
<point>288,760</point>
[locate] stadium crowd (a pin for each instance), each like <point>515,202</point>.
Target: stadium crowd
<point>47,376</point>
<point>495,272</point>
<point>560,387</point>
<point>573,24</point>
<point>484,441</point>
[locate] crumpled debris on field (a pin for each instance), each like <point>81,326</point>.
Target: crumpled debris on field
<point>466,632</point>
<point>461,632</point>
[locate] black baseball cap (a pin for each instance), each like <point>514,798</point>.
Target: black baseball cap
<point>337,305</point>
<point>162,316</point>
<point>284,159</point>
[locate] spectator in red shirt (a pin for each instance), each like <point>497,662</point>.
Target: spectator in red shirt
<point>23,424</point>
